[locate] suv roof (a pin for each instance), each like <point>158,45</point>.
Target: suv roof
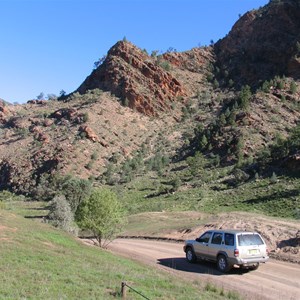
<point>233,231</point>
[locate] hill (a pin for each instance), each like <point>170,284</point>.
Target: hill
<point>213,118</point>
<point>263,43</point>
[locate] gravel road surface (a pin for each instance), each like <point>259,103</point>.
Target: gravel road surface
<point>273,280</point>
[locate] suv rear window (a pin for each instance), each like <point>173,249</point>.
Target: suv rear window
<point>250,239</point>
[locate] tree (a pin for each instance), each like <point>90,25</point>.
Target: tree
<point>40,96</point>
<point>216,83</point>
<point>62,93</point>
<point>102,214</point>
<point>245,96</point>
<point>51,96</point>
<point>75,190</point>
<point>99,62</point>
<point>203,142</point>
<point>293,87</point>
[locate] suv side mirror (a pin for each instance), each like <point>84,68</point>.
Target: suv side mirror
<point>197,240</point>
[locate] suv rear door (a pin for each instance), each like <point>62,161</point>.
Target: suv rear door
<point>216,245</point>
<point>251,245</point>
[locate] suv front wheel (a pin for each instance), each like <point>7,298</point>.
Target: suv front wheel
<point>222,263</point>
<point>190,255</point>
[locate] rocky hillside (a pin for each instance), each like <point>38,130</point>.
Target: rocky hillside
<point>139,105</point>
<point>262,44</point>
<point>146,83</point>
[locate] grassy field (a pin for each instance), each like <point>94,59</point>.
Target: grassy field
<point>211,191</point>
<point>40,262</point>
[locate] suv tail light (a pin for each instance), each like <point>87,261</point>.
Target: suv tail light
<point>236,252</point>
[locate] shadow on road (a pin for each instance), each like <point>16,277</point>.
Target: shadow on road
<point>203,267</point>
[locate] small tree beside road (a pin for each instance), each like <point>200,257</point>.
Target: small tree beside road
<point>102,214</point>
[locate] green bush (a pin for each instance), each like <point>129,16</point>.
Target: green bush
<point>102,214</point>
<point>293,87</point>
<point>74,189</point>
<point>165,65</point>
<point>240,175</point>
<point>245,96</point>
<point>60,214</point>
<point>273,178</point>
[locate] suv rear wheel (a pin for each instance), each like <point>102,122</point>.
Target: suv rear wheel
<point>254,267</point>
<point>190,255</point>
<point>222,263</point>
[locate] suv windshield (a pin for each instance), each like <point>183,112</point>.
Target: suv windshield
<point>249,240</point>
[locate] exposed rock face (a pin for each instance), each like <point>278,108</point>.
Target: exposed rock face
<point>3,112</point>
<point>292,162</point>
<point>195,60</point>
<point>89,132</point>
<point>36,101</point>
<point>132,75</point>
<point>263,43</point>
<point>23,176</point>
<point>69,114</point>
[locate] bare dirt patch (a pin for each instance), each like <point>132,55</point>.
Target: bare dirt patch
<point>5,228</point>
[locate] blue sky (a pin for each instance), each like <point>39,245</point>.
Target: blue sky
<point>50,45</point>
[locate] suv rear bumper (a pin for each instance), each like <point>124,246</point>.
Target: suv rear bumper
<point>247,261</point>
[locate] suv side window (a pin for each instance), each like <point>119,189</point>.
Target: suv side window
<point>229,239</point>
<point>204,238</point>
<point>217,238</point>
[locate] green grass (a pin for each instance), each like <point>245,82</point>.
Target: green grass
<point>40,262</point>
<point>208,192</point>
<point>155,224</point>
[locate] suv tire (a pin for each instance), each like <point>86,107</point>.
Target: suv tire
<point>255,267</point>
<point>190,255</point>
<point>222,264</point>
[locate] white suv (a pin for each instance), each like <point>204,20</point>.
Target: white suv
<point>228,248</point>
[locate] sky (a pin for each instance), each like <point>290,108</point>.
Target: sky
<point>51,45</point>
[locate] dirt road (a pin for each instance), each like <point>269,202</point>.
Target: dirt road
<point>273,280</point>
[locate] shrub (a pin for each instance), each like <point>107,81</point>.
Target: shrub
<point>85,117</point>
<point>216,83</point>
<point>94,156</point>
<point>165,65</point>
<point>60,214</point>
<point>293,87</point>
<point>6,196</point>
<point>273,178</point>
<point>102,214</point>
<point>240,175</point>
<point>266,87</point>
<point>176,183</point>
<point>196,163</point>
<point>203,142</point>
<point>245,96</point>
<point>74,189</point>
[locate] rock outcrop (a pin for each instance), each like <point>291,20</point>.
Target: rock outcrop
<point>3,112</point>
<point>263,43</point>
<point>136,78</point>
